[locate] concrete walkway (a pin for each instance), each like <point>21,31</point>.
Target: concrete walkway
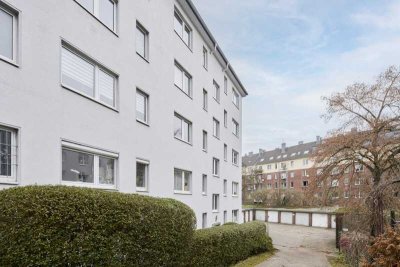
<point>300,246</point>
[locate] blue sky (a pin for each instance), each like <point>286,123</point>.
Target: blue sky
<point>289,53</point>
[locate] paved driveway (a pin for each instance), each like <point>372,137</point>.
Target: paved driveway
<point>300,246</point>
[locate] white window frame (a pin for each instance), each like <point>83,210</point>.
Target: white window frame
<point>235,98</point>
<point>184,72</point>
<point>183,119</point>
<point>204,220</point>
<point>15,33</point>
<point>205,99</point>
<point>146,106</point>
<point>205,58</point>
<point>97,69</point>
<point>225,118</point>
<point>235,157</point>
<point>96,13</point>
<point>183,182</point>
<point>235,129</point>
<point>204,185</point>
<point>177,13</point>
<point>235,189</point>
<point>145,32</point>
<point>225,216</point>
<point>216,128</point>
<point>97,153</point>
<point>13,178</point>
<point>216,167</point>
<point>225,152</point>
<point>215,203</point>
<point>225,85</point>
<point>205,141</point>
<point>225,187</point>
<point>217,92</point>
<point>147,175</point>
<point>235,216</point>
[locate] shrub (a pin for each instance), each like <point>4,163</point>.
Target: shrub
<point>68,226</point>
<point>353,245</point>
<point>385,249</point>
<point>228,244</point>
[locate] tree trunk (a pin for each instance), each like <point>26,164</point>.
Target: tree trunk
<point>378,220</point>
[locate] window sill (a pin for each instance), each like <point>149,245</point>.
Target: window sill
<point>188,95</point>
<point>215,211</point>
<point>183,141</point>
<point>142,190</point>
<point>216,100</point>
<point>87,185</point>
<point>204,194</point>
<point>204,150</point>
<point>216,137</point>
<point>144,58</point>
<point>235,195</point>
<point>236,165</point>
<point>9,61</point>
<point>188,46</point>
<point>6,181</point>
<point>182,192</point>
<point>88,97</point>
<point>224,195</point>
<point>142,122</point>
<point>216,176</point>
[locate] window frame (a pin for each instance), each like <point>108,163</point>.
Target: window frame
<point>204,183</point>
<point>190,134</point>
<point>217,129</point>
<point>98,67</point>
<point>225,118</point>
<point>97,153</point>
<point>225,152</point>
<point>204,220</point>
<point>235,216</point>
<point>235,98</point>
<point>96,14</point>
<point>205,99</point>
<point>205,58</point>
<point>145,32</point>
<point>215,203</point>
<point>217,92</point>
<point>182,191</point>
<point>184,72</point>
<point>235,189</point>
<point>146,107</point>
<point>216,167</point>
<point>205,141</point>
<point>236,128</point>
<point>14,13</point>
<point>225,85</point>
<point>234,152</point>
<point>184,24</point>
<point>13,178</point>
<point>147,175</point>
<point>225,187</point>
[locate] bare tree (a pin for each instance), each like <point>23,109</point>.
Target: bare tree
<point>374,110</point>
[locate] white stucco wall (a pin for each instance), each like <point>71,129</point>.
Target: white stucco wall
<point>33,101</point>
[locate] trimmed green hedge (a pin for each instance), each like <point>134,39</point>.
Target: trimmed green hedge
<point>68,226</point>
<point>228,244</point>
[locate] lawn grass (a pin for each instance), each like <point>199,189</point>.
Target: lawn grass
<point>338,261</point>
<point>255,260</point>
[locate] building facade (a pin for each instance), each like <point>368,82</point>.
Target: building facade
<point>129,96</point>
<point>293,168</point>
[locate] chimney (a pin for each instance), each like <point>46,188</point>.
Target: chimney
<point>300,142</point>
<point>319,139</point>
<point>283,148</point>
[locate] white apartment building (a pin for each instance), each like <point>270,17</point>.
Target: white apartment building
<point>128,96</point>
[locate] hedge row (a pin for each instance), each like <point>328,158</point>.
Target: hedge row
<point>67,226</point>
<point>228,244</point>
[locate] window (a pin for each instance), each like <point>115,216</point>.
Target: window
<point>142,175</point>
<point>215,168</point>
<point>225,118</point>
<point>357,181</point>
<point>276,185</point>
<point>235,188</point>
<point>142,106</point>
<point>235,128</point>
<point>142,41</point>
<point>183,181</point>
<point>305,183</point>
<point>104,10</point>
<point>346,194</point>
<point>283,184</point>
<point>8,155</point>
<point>335,183</point>
<point>205,58</point>
<point>205,141</point>
<point>235,157</point>
<point>87,166</point>
<point>359,168</point>
<point>182,29</point>
<point>235,214</point>
<point>225,152</point>
<point>215,127</point>
<point>235,97</point>
<point>182,129</point>
<point>225,85</point>
<point>225,216</point>
<point>215,202</point>
<point>8,33</point>
<point>86,77</point>
<point>268,166</point>
<point>346,180</point>
<point>204,185</point>
<point>292,175</point>
<point>204,220</point>
<point>292,163</point>
<point>216,91</point>
<point>291,184</point>
<point>269,177</point>
<point>283,175</point>
<point>205,100</point>
<point>225,188</point>
<point>305,162</point>
<point>305,173</point>
<point>183,80</point>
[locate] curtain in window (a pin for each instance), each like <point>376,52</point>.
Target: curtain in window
<point>6,34</point>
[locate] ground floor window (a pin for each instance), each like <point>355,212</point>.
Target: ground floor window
<point>182,181</point>
<point>225,216</point>
<point>204,221</point>
<point>235,214</point>
<point>215,202</point>
<point>142,175</point>
<point>8,154</point>
<point>87,166</point>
